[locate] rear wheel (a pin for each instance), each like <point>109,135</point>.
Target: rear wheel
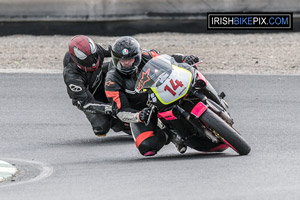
<point>225,132</point>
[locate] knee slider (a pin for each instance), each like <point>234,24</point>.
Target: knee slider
<point>150,146</point>
<point>99,131</point>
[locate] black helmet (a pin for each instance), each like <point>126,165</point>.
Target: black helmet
<point>83,52</point>
<point>126,48</point>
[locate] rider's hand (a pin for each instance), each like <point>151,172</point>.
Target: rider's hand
<point>108,109</point>
<point>191,59</point>
<point>144,114</point>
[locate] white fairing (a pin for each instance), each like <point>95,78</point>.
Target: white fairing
<point>174,87</point>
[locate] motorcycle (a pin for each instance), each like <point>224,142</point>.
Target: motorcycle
<point>184,104</point>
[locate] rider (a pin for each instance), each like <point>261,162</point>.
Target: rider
<point>128,59</point>
<point>84,73</point>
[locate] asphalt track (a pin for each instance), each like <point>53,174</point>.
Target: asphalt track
<point>58,157</point>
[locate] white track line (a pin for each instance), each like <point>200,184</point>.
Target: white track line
<point>7,171</point>
<point>46,170</point>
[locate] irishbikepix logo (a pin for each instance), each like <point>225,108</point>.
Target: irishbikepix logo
<point>221,21</point>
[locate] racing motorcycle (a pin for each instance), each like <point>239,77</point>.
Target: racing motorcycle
<point>184,104</point>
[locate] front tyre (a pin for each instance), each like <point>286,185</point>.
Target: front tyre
<point>225,132</point>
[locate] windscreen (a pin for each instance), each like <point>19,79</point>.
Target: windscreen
<point>156,71</point>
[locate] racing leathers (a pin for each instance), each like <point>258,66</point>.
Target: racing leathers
<point>86,89</point>
<point>120,91</point>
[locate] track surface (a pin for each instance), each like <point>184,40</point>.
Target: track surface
<point>58,156</point>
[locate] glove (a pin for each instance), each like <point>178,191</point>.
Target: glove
<point>97,108</point>
<point>190,59</point>
<point>108,109</point>
<point>144,114</point>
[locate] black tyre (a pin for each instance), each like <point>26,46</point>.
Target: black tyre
<point>225,132</point>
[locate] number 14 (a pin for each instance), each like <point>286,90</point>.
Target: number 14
<point>174,86</point>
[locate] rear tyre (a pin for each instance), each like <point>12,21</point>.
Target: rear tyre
<point>225,132</point>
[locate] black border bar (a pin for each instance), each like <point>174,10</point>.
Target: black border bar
<point>247,17</point>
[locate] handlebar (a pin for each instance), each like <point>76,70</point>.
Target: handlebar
<point>149,117</point>
<point>182,112</point>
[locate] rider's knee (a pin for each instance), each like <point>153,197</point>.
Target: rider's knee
<point>151,145</point>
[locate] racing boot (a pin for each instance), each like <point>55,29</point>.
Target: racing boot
<point>177,141</point>
<point>179,144</point>
<point>118,126</point>
<point>127,129</point>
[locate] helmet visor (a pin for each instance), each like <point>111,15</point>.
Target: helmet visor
<point>90,61</point>
<point>127,63</point>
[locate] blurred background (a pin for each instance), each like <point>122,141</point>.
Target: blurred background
<point>125,17</point>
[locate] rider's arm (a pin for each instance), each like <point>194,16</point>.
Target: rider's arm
<point>189,59</point>
<point>120,103</point>
<point>180,58</point>
<point>184,61</point>
<point>81,96</point>
<point>104,52</point>
<point>188,67</point>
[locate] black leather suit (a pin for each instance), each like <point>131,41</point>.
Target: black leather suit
<point>119,89</point>
<point>86,89</point>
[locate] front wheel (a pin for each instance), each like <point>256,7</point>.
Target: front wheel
<point>225,132</point>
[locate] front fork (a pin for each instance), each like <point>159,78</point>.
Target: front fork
<point>218,109</point>
<point>213,95</point>
<point>198,110</point>
<point>192,118</point>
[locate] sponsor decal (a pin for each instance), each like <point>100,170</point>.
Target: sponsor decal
<point>75,88</point>
<point>249,21</point>
<point>145,78</point>
<point>130,91</point>
<point>108,83</point>
<point>125,52</point>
